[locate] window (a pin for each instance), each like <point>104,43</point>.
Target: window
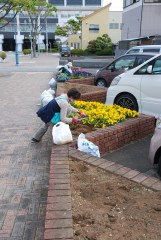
<point>93,2</point>
<point>133,51</point>
<point>57,2</point>
<point>157,67</point>
<point>127,3</point>
<point>94,27</point>
<point>114,25</point>
<point>123,63</point>
<point>154,50</point>
<point>141,59</point>
<point>152,1</point>
<point>74,2</point>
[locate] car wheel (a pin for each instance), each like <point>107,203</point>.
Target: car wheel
<point>159,165</point>
<point>127,101</point>
<point>101,83</point>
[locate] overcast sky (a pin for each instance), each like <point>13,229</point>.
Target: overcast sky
<point>116,4</point>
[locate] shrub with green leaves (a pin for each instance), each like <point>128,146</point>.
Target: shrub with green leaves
<point>26,51</point>
<point>78,52</point>
<point>3,55</point>
<point>104,52</point>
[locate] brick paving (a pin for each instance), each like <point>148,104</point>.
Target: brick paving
<point>24,167</point>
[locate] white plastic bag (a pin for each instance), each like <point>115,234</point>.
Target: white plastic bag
<point>86,146</point>
<point>53,84</point>
<point>61,133</point>
<point>47,96</point>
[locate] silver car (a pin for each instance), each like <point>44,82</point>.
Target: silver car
<point>155,146</point>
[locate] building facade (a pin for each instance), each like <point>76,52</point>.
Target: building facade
<point>141,18</point>
<point>101,21</point>
<point>114,26</point>
<point>20,28</point>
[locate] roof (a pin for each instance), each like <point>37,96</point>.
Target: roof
<point>95,12</point>
<point>141,38</point>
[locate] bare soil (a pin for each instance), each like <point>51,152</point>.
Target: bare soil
<point>80,128</point>
<point>110,207</point>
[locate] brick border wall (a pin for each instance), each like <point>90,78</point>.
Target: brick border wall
<point>58,222</point>
<point>86,81</point>
<point>116,136</point>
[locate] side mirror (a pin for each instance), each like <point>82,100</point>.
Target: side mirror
<point>149,69</point>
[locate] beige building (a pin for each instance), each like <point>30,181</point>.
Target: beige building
<point>100,22</point>
<point>94,25</point>
<point>114,26</point>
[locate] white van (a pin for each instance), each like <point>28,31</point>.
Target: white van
<point>145,49</point>
<point>139,88</point>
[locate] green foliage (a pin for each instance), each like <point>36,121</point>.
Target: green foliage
<point>26,51</point>
<point>101,43</point>
<point>54,50</point>
<point>3,55</point>
<point>71,27</point>
<point>78,52</point>
<point>104,52</point>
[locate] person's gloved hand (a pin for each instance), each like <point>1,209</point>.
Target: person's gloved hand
<point>75,120</point>
<point>82,114</point>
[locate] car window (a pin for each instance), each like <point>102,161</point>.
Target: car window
<point>148,50</point>
<point>143,70</point>
<point>157,66</point>
<point>125,62</point>
<point>133,51</point>
<point>141,59</point>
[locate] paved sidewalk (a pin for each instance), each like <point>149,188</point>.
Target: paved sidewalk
<point>24,167</point>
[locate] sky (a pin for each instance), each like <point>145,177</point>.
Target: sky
<point>116,4</point>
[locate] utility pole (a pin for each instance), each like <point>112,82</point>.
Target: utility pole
<point>16,45</point>
<point>46,28</point>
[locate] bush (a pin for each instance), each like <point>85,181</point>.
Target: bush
<point>26,51</point>
<point>78,52</point>
<point>3,55</point>
<point>53,50</point>
<point>104,52</point>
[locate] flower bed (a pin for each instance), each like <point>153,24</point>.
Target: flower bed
<point>100,115</point>
<point>78,74</point>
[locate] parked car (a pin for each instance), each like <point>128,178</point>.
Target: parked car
<point>155,146</point>
<point>145,49</point>
<point>138,89</point>
<point>105,75</point>
<point>65,51</point>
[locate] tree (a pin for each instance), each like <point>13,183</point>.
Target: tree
<point>36,9</point>
<point>101,43</point>
<point>7,6</point>
<point>72,26</point>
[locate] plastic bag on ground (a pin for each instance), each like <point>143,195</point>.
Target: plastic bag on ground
<point>61,134</point>
<point>53,84</point>
<point>88,147</point>
<point>47,96</point>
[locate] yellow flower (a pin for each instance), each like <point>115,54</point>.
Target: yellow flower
<point>100,115</point>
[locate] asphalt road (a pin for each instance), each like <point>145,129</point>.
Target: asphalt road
<point>134,156</point>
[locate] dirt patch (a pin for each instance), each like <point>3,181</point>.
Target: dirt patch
<point>80,128</point>
<point>106,206</point>
<point>64,87</point>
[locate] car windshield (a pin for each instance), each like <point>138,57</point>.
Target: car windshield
<point>65,48</point>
